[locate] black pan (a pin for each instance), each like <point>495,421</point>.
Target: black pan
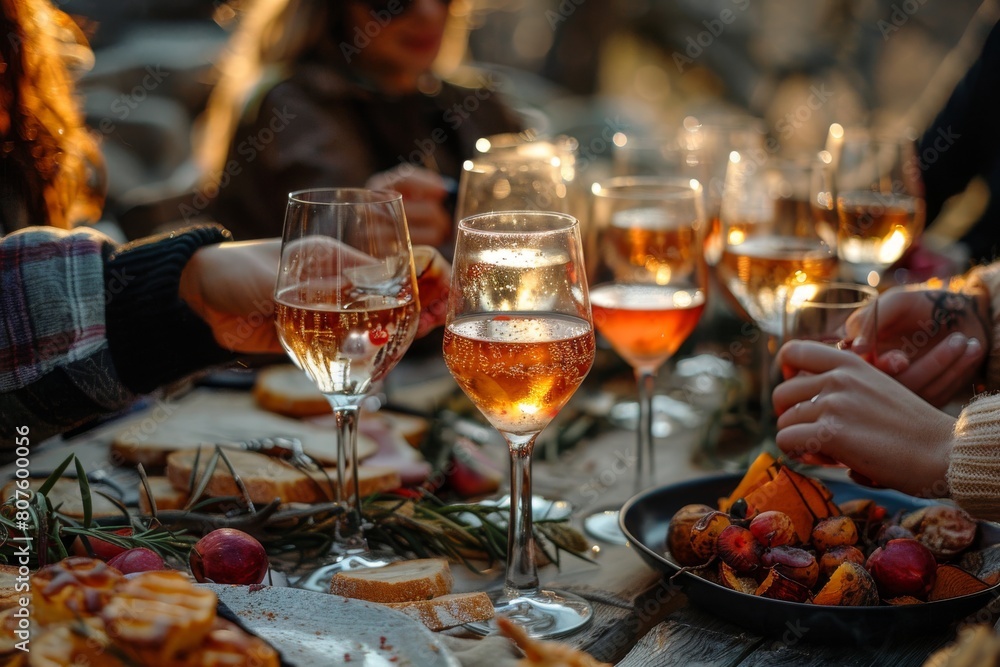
<point>645,519</point>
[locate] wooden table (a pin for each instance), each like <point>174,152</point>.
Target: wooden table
<point>640,620</point>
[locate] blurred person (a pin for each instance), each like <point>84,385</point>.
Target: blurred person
<point>340,93</point>
<point>880,419</point>
<point>88,325</point>
<point>963,143</point>
<point>51,170</point>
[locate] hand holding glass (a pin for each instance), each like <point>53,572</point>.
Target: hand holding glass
<point>820,312</point>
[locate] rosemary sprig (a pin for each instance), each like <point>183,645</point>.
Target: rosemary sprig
<point>421,526</point>
<point>50,531</point>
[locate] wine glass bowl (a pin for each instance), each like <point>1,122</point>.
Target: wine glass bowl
<point>519,341</point>
<point>346,311</point>
<point>879,203</point>
<point>770,240</point>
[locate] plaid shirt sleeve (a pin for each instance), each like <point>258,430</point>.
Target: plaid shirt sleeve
<point>86,326</point>
<point>53,332</point>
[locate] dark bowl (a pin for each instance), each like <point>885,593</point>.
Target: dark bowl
<point>646,517</point>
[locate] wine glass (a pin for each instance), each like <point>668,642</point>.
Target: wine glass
<point>519,340</point>
<point>879,203</point>
<point>347,310</point>
<point>509,182</point>
<point>650,291</point>
<point>770,246</point>
<point>820,312</point>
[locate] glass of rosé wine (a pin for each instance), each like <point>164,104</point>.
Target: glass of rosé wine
<point>650,289</point>
<point>770,246</point>
<point>879,201</point>
<point>519,340</point>
<point>346,311</point>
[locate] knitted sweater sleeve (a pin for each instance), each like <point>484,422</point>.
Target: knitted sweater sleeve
<point>974,465</point>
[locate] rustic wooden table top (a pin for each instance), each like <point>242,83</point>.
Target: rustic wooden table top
<point>641,620</point>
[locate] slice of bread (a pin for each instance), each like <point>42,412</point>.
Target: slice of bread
<point>166,496</point>
<point>411,428</point>
<point>209,416</point>
<point>403,581</point>
<point>267,478</point>
<point>65,495</point>
<point>448,611</point>
<point>288,391</point>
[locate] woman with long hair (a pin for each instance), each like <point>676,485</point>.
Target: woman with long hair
<point>341,93</point>
<point>51,170</point>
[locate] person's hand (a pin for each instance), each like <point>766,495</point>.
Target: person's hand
<point>833,405</point>
<point>231,287</point>
<point>931,341</point>
<point>424,194</point>
<point>433,285</point>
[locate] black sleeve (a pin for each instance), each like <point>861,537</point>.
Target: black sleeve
<point>153,336</point>
<point>964,139</point>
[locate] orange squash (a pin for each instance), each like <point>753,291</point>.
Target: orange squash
<point>803,499</point>
<point>755,476</point>
<point>952,581</point>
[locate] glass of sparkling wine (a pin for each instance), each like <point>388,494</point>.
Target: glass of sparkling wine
<point>519,340</point>
<point>771,245</point>
<point>879,203</point>
<point>649,293</point>
<point>347,310</point>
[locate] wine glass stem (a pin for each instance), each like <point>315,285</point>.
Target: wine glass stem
<point>646,380</point>
<point>349,530</point>
<point>769,349</point>
<point>522,571</point>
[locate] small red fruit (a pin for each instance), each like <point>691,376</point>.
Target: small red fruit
<point>102,549</point>
<point>139,559</point>
<point>903,567</point>
<point>738,549</point>
<point>378,336</point>
<point>228,556</point>
<point>796,564</point>
<point>773,528</point>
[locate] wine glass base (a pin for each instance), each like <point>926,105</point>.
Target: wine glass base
<point>543,615</point>
<point>319,579</point>
<point>604,526</point>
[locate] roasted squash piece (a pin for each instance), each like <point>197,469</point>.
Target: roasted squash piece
<point>756,475</point>
<point>952,582</point>
<point>850,585</point>
<point>804,500</point>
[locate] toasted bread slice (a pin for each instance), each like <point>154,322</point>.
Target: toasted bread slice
<point>267,478</point>
<point>288,391</point>
<point>166,496</point>
<point>404,581</point>
<point>204,417</point>
<point>65,495</point>
<point>448,611</point>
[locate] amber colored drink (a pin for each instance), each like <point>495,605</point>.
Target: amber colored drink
<point>876,228</point>
<point>644,323</point>
<point>642,240</point>
<point>518,368</point>
<point>346,347</point>
<point>760,271</point>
